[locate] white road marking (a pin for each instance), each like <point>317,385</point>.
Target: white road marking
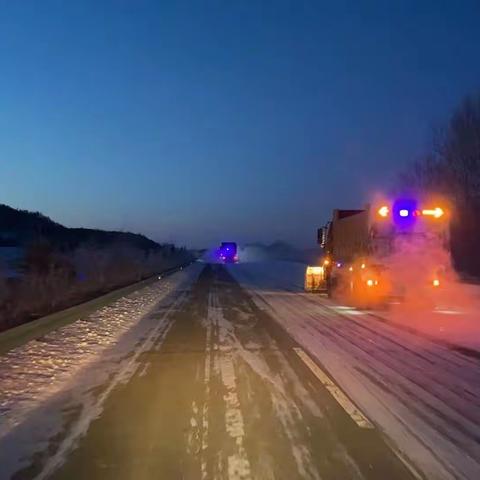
<point>238,463</point>
<point>410,467</point>
<point>357,416</point>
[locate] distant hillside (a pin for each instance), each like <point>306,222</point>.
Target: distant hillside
<point>21,227</point>
<point>46,267</point>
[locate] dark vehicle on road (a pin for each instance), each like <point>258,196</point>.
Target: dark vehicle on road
<point>228,252</point>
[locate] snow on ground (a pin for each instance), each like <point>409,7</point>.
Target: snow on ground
<point>422,394</point>
<point>234,347</point>
<point>67,359</point>
<point>455,320</point>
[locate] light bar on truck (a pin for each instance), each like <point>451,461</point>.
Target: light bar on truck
<point>383,211</point>
<point>435,212</point>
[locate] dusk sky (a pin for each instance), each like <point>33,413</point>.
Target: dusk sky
<point>197,122</point>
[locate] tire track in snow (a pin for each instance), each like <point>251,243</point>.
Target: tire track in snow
<point>418,396</point>
<point>406,368</point>
<point>394,353</point>
<point>454,376</point>
<point>439,354</point>
<point>321,325</point>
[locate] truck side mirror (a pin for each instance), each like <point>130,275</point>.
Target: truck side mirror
<point>320,236</point>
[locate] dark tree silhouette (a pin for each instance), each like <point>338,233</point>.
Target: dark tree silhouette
<point>452,169</point>
<point>64,266</point>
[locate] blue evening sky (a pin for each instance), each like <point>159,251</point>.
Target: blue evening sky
<point>197,122</point>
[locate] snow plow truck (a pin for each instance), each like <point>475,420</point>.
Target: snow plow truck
<point>392,250</point>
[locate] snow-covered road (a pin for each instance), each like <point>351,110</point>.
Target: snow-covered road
<point>196,377</point>
<point>204,386</point>
<point>423,394</point>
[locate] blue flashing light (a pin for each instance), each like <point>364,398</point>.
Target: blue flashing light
<point>403,212</point>
<point>228,252</point>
